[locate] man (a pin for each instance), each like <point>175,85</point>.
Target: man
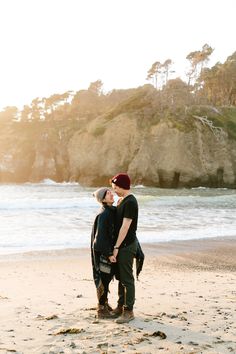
<point>126,246</point>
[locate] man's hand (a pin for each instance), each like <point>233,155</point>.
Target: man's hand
<point>112,259</point>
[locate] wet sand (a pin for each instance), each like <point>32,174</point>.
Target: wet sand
<point>185,302</point>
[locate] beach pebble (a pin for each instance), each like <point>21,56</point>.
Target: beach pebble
<point>231,349</point>
<point>182,318</point>
<point>193,343</point>
<point>172,316</point>
<point>162,314</point>
<point>70,331</point>
<point>160,334</point>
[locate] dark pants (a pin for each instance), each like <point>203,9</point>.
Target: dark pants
<point>126,286</point>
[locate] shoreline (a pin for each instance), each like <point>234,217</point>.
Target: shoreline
<point>152,248</point>
<point>186,291</point>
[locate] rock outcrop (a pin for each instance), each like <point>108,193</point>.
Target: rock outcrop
<point>161,155</point>
<point>156,153</point>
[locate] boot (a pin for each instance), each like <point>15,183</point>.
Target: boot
<point>108,306</point>
<point>117,311</point>
<point>103,312</point>
<point>126,316</point>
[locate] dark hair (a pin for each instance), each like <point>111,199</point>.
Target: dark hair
<point>105,193</point>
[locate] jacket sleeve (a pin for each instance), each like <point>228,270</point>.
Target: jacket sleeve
<point>139,259</point>
<point>103,238</point>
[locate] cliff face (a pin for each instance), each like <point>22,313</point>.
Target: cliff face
<point>158,154</point>
<point>28,157</point>
<point>161,155</point>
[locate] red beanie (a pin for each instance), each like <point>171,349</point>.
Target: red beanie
<point>121,180</point>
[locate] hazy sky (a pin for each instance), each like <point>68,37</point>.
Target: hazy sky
<point>52,46</point>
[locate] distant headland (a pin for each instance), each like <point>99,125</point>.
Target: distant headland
<point>168,133</point>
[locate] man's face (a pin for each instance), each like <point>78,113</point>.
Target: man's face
<point>118,190</point>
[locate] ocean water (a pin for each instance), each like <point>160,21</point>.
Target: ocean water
<point>52,215</point>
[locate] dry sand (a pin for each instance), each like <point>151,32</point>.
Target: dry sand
<point>186,292</point>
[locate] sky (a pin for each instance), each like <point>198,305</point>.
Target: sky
<point>53,46</point>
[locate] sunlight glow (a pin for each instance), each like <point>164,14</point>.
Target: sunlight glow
<point>54,46</point>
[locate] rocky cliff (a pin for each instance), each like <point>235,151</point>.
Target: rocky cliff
<point>160,155</point>
<point>155,150</point>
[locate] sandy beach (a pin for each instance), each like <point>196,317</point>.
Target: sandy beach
<point>185,302</point>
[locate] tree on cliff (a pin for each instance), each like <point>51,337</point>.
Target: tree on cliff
<point>9,114</point>
<point>159,73</point>
<point>197,61</point>
<point>166,66</point>
<point>25,114</point>
<point>36,109</point>
<point>154,73</point>
<point>175,95</point>
<point>220,82</point>
<point>87,104</point>
<point>56,106</point>
<point>96,87</point>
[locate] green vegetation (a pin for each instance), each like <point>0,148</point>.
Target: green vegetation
<point>209,93</point>
<point>227,121</point>
<point>140,99</point>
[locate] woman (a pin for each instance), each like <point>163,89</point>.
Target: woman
<point>102,244</point>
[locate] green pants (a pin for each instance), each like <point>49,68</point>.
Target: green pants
<point>126,286</point>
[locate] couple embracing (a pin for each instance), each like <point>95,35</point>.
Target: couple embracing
<point>114,246</point>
